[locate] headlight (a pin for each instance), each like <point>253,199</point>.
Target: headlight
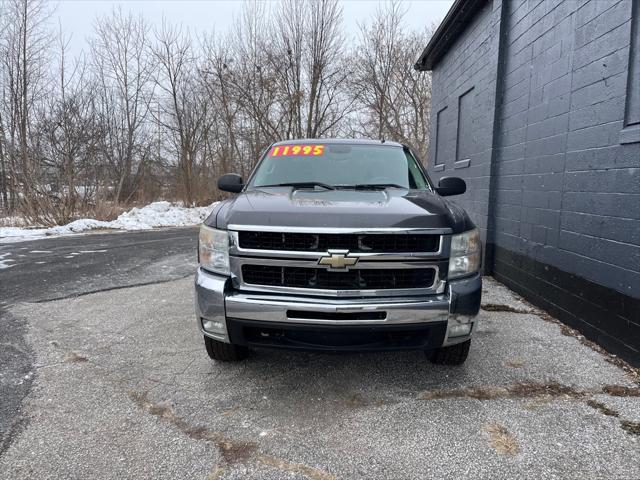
<point>213,250</point>
<point>465,254</point>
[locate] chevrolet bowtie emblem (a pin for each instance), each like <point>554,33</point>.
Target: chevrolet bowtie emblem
<point>338,260</point>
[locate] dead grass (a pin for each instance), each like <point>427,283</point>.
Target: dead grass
<point>107,211</point>
<point>515,363</point>
<point>519,390</point>
<point>497,307</point>
<point>355,401</point>
<point>602,408</point>
<point>502,441</point>
<point>12,222</point>
<point>536,403</point>
<point>552,389</point>
<point>479,393</point>
<point>295,468</point>
<point>621,391</point>
<point>630,427</point>
<point>232,451</point>
<point>216,473</point>
<point>73,357</point>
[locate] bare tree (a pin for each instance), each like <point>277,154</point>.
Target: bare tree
<point>182,106</point>
<point>124,71</point>
<point>146,116</point>
<point>23,51</point>
<point>68,136</point>
<point>309,63</point>
<point>394,99</point>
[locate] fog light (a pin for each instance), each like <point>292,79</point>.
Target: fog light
<point>213,326</point>
<point>459,330</point>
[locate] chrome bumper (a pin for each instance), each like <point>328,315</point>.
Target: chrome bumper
<point>216,301</point>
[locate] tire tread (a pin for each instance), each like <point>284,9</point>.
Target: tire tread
<point>225,352</point>
<point>451,355</point>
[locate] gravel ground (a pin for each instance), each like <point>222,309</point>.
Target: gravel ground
<point>122,388</point>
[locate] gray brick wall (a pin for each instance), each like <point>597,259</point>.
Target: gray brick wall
<point>554,164</point>
<point>567,191</point>
<point>472,63</point>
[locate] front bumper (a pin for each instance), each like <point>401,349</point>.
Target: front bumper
<point>305,322</point>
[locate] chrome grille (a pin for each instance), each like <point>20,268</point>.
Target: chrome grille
<point>285,260</point>
<point>321,242</point>
<point>320,278</point>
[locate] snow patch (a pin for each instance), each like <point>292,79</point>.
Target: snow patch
<point>5,263</point>
<point>154,215</point>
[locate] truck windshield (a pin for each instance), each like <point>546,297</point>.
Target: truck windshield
<point>339,166</point>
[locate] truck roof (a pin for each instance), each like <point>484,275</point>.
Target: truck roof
<point>337,141</point>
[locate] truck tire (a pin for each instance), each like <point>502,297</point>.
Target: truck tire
<point>451,355</point>
<point>225,352</point>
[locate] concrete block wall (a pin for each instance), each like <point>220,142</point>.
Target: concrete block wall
<point>554,184</point>
<point>471,64</point>
<point>568,193</point>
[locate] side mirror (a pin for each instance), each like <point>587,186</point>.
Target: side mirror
<point>451,186</point>
<point>231,182</point>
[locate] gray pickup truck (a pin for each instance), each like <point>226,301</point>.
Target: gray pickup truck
<point>338,245</point>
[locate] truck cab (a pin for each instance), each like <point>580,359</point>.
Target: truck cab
<point>338,245</point>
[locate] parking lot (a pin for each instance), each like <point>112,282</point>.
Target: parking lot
<point>119,386</point>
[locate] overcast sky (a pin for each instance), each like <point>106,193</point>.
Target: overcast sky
<point>76,16</point>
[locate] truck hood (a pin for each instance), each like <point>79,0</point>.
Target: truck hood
<point>286,207</point>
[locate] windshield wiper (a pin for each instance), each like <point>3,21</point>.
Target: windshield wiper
<point>371,186</point>
<point>299,185</point>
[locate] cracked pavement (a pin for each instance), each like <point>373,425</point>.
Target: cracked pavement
<point>121,387</point>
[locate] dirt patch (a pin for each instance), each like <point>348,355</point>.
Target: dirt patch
<point>602,408</point>
<point>479,393</point>
<point>232,451</point>
<point>519,390</point>
<point>515,363</point>
<point>502,441</point>
<point>307,471</point>
<point>355,401</point>
<point>630,427</point>
<point>551,389</point>
<point>237,452</point>
<point>529,390</point>
<point>536,403</point>
<point>231,411</point>
<point>75,358</point>
<point>540,393</point>
<point>620,391</point>
<point>497,307</point>
<point>216,473</point>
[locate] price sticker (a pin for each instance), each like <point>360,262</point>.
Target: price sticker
<point>297,150</point>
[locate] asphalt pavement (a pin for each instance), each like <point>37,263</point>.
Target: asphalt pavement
<point>116,384</point>
<point>42,270</point>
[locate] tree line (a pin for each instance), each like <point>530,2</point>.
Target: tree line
<point>157,112</point>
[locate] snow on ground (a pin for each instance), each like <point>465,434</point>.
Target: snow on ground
<point>154,215</point>
<point>5,263</point>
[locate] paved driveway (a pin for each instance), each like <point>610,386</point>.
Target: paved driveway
<point>122,388</point>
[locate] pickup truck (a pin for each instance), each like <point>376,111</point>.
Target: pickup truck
<point>338,245</point>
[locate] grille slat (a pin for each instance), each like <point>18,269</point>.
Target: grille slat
<point>321,242</point>
<point>364,279</point>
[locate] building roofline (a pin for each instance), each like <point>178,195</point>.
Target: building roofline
<point>455,21</point>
